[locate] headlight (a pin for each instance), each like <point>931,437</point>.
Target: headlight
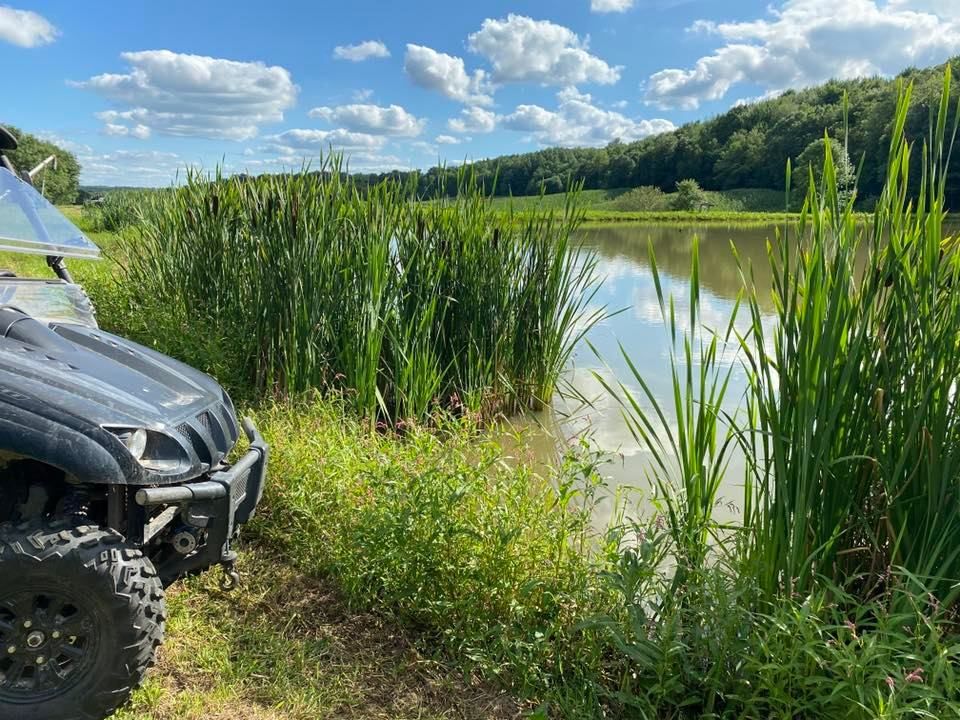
<point>135,440</point>
<point>153,450</point>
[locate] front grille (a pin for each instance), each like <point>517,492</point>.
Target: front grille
<point>238,491</point>
<point>210,434</point>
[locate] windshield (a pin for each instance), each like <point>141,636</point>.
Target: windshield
<point>31,224</point>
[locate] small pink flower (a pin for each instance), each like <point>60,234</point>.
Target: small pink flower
<point>851,626</point>
<point>915,677</point>
<point>890,682</point>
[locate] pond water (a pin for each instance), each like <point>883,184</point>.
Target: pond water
<point>628,287</point>
<point>629,295</point>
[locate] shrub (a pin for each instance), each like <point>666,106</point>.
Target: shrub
<point>689,196</point>
<point>640,199</point>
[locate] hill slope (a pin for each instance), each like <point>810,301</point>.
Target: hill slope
<point>746,147</point>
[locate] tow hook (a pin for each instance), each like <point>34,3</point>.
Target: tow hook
<point>231,578</point>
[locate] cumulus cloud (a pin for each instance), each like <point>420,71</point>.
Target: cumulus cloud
<point>805,42</point>
<point>522,49</point>
<point>473,119</point>
<point>315,142</point>
<point>120,129</point>
<point>373,119</point>
<point>25,28</point>
<point>447,140</point>
<point>577,122</point>
<point>194,95</point>
<point>130,167</point>
<point>357,161</point>
<point>610,6</point>
<point>447,75</point>
<point>361,51</point>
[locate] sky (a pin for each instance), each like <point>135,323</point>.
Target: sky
<point>140,91</point>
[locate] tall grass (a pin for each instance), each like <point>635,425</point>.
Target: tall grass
<point>117,209</point>
<point>856,446</point>
<point>403,305</point>
<point>686,437</point>
<point>836,598</point>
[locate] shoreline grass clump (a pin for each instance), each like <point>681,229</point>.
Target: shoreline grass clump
<point>117,209</point>
<point>404,306</point>
<point>856,447</point>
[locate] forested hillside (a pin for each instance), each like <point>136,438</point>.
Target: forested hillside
<point>746,147</point>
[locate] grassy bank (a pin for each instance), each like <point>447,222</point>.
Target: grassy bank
<point>682,217</point>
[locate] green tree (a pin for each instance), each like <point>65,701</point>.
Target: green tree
<point>689,196</point>
<point>740,158</point>
<point>60,185</point>
<point>813,158</point>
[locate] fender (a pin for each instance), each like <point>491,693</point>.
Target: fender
<point>89,455</point>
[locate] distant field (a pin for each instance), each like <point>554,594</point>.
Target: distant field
<point>682,217</point>
<point>614,202</point>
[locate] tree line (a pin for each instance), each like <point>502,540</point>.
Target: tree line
<point>60,184</point>
<point>746,147</point>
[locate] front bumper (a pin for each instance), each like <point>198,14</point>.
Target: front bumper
<point>218,505</point>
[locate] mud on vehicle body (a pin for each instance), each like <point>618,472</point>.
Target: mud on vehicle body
<point>114,480</point>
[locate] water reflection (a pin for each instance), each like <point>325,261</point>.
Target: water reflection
<point>628,287</point>
<point>638,327</point>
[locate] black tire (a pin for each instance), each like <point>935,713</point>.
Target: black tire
<point>81,617</point>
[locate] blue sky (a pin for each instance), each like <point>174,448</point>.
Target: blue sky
<point>141,90</point>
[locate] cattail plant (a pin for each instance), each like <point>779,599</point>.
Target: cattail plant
<point>400,304</point>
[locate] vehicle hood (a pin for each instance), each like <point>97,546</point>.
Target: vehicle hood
<point>88,379</point>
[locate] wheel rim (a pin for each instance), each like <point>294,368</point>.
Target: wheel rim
<point>48,642</point>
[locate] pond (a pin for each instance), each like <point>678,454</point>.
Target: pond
<point>635,323</point>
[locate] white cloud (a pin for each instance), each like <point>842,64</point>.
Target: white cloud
<point>131,167</point>
<point>356,161</point>
<point>315,142</point>
<point>610,6</point>
<point>69,145</point>
<point>447,140</point>
<point>446,74</point>
<point>521,49</point>
<point>25,28</point>
<point>805,42</point>
<point>361,51</point>
<point>473,119</point>
<point>577,122</point>
<point>373,119</point>
<point>362,95</point>
<point>138,131</point>
<point>194,95</point>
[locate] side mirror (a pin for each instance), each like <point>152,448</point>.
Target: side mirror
<point>7,139</point>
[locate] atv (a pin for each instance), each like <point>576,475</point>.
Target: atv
<point>114,480</point>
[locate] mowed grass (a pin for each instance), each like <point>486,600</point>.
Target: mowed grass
<point>285,646</point>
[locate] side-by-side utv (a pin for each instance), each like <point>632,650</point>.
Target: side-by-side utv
<point>114,480</point>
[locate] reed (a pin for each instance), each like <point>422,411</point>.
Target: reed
<point>856,447</point>
<point>401,305</point>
